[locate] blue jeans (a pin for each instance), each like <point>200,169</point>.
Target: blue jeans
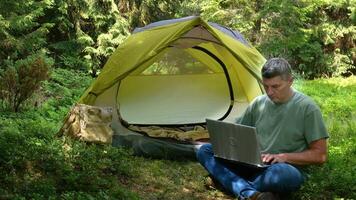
<point>243,181</point>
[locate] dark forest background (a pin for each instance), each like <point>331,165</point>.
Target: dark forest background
<point>317,37</point>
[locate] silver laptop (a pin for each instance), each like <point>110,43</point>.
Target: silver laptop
<point>235,142</point>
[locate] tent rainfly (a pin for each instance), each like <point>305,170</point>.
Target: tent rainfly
<point>168,77</point>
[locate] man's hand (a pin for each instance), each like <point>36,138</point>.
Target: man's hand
<point>315,154</point>
<point>273,158</point>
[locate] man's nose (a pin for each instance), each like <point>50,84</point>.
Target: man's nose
<point>269,91</point>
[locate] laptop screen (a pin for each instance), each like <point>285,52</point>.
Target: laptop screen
<point>234,142</point>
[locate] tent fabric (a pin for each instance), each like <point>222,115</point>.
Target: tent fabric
<point>123,61</point>
<point>198,91</point>
<point>217,80</point>
<point>197,94</point>
<point>156,148</point>
<point>231,33</point>
<point>163,23</point>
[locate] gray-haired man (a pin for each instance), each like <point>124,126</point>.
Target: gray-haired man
<point>291,132</point>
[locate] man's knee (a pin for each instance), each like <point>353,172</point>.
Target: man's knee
<point>204,151</point>
<point>284,177</point>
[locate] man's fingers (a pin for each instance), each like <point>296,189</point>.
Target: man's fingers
<point>266,158</point>
<point>270,158</point>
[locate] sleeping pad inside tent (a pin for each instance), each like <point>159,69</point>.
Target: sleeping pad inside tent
<point>168,77</point>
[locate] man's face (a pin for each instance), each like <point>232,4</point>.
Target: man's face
<point>277,89</point>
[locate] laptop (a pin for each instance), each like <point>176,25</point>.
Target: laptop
<point>235,142</point>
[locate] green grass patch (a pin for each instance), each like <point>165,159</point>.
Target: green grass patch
<point>337,100</point>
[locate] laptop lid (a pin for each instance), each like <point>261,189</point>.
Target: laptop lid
<point>235,142</point>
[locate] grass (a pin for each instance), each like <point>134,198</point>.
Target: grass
<point>336,179</point>
<point>35,164</point>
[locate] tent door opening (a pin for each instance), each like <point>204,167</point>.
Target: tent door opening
<point>182,86</point>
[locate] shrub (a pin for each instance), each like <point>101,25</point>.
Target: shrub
<point>17,84</point>
<point>35,164</point>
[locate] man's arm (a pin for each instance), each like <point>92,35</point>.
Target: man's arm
<point>315,154</point>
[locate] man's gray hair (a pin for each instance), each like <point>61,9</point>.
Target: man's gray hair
<point>276,67</point>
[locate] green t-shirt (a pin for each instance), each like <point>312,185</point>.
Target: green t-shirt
<point>287,127</point>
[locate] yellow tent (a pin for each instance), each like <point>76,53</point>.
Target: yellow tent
<point>176,73</point>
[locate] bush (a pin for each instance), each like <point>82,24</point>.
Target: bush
<point>17,84</point>
<point>35,164</point>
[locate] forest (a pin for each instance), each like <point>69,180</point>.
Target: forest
<point>51,50</point>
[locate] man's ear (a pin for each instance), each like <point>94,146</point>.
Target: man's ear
<point>291,80</point>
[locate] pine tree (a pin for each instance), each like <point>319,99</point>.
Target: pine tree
<point>22,48</point>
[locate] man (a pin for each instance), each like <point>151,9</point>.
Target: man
<point>291,132</point>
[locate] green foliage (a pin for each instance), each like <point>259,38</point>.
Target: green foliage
<point>143,12</point>
<point>98,27</point>
<point>68,54</point>
<point>109,29</point>
<point>311,35</point>
<point>317,37</point>
<point>22,31</point>
<point>65,86</point>
<point>336,99</point>
<point>37,165</point>
<point>45,166</point>
<point>23,54</point>
<point>18,83</point>
<point>235,14</point>
<point>334,96</point>
<point>59,93</point>
<point>89,32</point>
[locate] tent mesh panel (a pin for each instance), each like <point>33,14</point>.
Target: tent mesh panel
<point>176,62</point>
